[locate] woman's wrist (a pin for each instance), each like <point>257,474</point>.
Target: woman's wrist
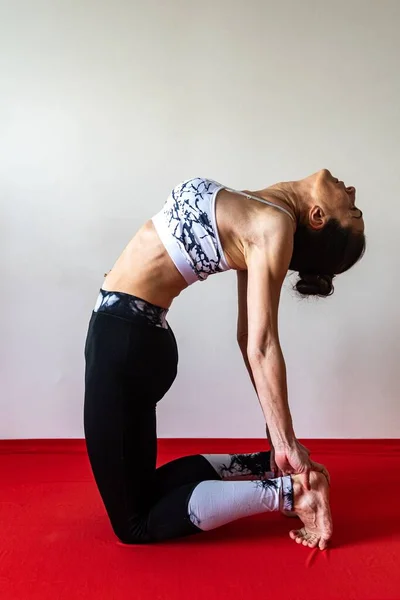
<point>283,439</point>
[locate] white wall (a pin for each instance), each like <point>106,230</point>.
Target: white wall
<point>105,105</point>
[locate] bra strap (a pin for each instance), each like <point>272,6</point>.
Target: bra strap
<point>267,202</point>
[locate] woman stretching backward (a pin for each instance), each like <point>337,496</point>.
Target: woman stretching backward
<point>311,226</point>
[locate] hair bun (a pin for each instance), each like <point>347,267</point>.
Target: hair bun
<point>315,285</point>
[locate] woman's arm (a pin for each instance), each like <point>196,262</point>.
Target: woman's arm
<point>267,257</point>
<point>242,336</point>
<point>242,329</point>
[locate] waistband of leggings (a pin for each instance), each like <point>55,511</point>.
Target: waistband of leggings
<point>125,305</point>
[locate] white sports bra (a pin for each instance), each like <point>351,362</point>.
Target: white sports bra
<point>187,228</point>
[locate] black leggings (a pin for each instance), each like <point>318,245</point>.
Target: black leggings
<point>130,365</point>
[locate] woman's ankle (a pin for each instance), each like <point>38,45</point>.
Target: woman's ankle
<point>298,490</point>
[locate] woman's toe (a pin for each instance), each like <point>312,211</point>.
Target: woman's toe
<point>323,544</point>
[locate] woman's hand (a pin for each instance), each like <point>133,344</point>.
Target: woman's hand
<point>273,466</point>
<point>293,459</point>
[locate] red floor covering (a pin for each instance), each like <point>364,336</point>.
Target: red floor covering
<point>56,543</point>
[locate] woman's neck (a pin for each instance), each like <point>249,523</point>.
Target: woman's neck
<point>294,194</point>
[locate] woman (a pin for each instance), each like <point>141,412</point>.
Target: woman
<point>311,226</point>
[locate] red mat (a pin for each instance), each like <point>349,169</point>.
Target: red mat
<point>56,542</point>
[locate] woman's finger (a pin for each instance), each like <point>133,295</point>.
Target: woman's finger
<point>326,473</point>
<point>282,462</point>
<point>322,469</point>
<point>307,479</point>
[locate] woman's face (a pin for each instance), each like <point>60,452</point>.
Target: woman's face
<point>337,200</point>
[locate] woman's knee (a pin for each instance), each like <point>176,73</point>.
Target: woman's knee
<point>133,533</point>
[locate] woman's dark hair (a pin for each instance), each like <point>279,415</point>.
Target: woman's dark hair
<point>319,255</point>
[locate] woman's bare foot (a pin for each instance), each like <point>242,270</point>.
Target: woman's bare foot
<point>312,507</point>
<point>290,513</point>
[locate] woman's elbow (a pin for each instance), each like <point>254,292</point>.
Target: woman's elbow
<point>256,356</point>
<point>242,339</point>
<point>259,354</point>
